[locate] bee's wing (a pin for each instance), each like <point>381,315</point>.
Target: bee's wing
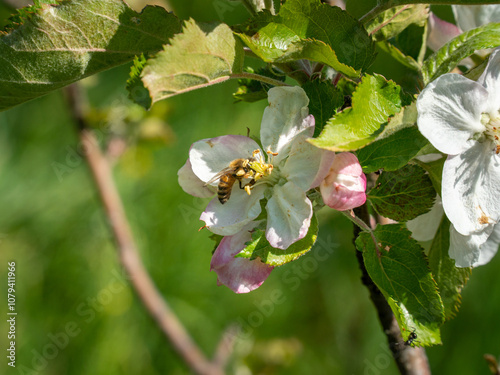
<point>218,175</point>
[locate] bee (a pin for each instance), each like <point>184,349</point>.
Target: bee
<point>237,170</point>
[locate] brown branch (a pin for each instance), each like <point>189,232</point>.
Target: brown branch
<point>410,360</point>
<point>129,255</point>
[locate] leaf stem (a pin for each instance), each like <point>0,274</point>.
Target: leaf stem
<point>376,11</point>
<point>258,77</point>
<point>356,220</point>
<point>140,279</point>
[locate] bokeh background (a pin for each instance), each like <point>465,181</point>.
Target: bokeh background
<point>76,312</point>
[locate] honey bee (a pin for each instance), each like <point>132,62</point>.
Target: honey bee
<point>238,169</point>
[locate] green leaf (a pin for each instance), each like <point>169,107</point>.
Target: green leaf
<point>435,172</point>
<point>41,2</point>
<point>403,194</point>
<point>260,247</point>
<point>65,43</point>
<point>405,118</point>
<point>396,263</point>
<point>137,92</point>
<point>393,152</point>
<point>399,56</point>
<point>324,100</point>
<point>202,55</point>
<point>314,31</point>
<point>450,279</point>
<point>393,21</point>
<point>373,103</point>
<point>464,45</point>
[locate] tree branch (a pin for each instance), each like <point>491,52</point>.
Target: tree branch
<point>410,361</point>
<point>127,249</point>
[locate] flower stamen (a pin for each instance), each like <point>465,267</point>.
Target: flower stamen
<point>492,125</point>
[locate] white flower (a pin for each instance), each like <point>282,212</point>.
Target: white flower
<point>461,118</point>
<point>290,166</point>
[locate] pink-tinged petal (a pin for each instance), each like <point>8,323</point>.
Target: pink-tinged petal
<point>324,168</point>
<point>490,79</point>
<point>191,184</point>
<point>210,156</point>
<point>289,213</point>
<point>243,275</point>
<point>345,185</point>
<point>449,112</point>
<point>284,118</point>
<point>239,274</point>
<point>424,227</point>
<point>440,32</point>
<point>229,218</point>
<point>471,187</point>
<point>469,17</point>
<point>303,163</point>
<point>489,248</point>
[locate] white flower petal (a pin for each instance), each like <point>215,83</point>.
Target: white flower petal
<point>303,162</point>
<point>424,227</point>
<point>284,118</point>
<point>440,32</point>
<point>489,248</point>
<point>191,184</point>
<point>490,79</point>
<point>210,156</point>
<point>465,249</point>
<point>470,188</point>
<point>449,112</point>
<point>229,218</point>
<point>289,213</point>
<point>469,17</point>
<point>327,159</point>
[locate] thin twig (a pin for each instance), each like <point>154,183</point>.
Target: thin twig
<point>260,78</point>
<point>129,256</point>
<point>410,360</point>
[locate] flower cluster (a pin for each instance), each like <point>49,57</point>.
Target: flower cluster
<point>275,178</point>
<point>461,118</point>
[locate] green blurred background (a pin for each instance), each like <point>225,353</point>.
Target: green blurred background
<point>70,288</point>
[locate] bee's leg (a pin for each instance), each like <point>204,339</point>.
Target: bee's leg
<point>241,187</point>
<point>248,186</point>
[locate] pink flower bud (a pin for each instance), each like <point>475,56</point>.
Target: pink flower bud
<point>345,185</point>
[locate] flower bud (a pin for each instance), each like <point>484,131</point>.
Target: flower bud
<point>345,185</point>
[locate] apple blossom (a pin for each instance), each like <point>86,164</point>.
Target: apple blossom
<point>345,185</point>
<point>293,167</point>
<point>461,118</point>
